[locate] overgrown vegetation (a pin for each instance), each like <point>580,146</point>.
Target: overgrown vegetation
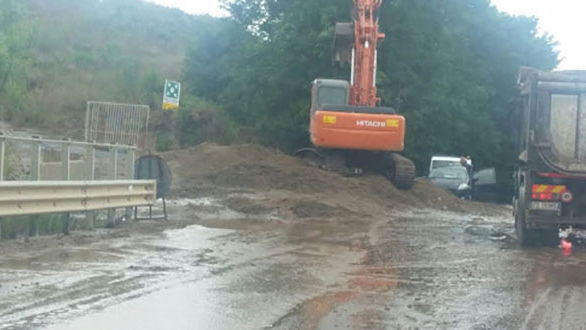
<point>16,42</point>
<point>56,55</point>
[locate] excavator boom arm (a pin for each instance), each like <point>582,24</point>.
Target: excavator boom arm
<point>367,37</point>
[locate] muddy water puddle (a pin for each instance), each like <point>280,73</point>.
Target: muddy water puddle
<point>195,277</point>
<point>59,284</point>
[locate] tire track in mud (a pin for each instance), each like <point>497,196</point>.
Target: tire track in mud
<point>555,290</point>
<point>534,308</point>
<point>421,270</point>
<point>366,279</point>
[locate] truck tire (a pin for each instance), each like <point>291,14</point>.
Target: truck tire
<point>527,237</point>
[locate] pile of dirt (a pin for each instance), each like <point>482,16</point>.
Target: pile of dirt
<point>208,168</point>
<point>216,170</point>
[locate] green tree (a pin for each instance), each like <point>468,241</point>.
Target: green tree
<point>451,69</point>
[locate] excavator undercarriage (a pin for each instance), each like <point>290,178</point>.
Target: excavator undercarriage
<point>398,169</point>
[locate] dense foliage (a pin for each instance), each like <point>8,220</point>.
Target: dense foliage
<point>449,66</point>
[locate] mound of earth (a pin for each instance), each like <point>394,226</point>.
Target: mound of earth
<point>282,182</point>
<point>208,168</point>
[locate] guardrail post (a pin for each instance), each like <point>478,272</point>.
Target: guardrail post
<point>66,159</point>
<point>111,213</point>
<point>36,160</point>
<point>66,223</point>
<point>131,157</point>
<point>91,175</point>
<point>33,226</point>
<point>2,156</point>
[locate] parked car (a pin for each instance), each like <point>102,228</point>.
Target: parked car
<point>443,161</point>
<point>481,187</point>
<point>454,179</point>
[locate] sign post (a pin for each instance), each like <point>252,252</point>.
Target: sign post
<point>172,95</point>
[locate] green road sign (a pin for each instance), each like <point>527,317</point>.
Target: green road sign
<point>172,95</point>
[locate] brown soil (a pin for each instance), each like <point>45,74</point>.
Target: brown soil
<point>288,185</point>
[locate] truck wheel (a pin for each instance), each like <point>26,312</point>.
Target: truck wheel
<point>527,237</point>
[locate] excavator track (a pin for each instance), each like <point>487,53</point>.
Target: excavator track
<point>399,170</point>
<point>330,160</point>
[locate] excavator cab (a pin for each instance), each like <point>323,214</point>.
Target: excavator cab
<point>329,92</point>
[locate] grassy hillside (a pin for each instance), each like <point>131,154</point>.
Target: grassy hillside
<point>105,50</point>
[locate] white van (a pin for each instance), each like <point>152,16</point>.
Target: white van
<point>443,161</point>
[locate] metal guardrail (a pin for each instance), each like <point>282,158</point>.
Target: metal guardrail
<point>45,176</point>
<point>28,198</point>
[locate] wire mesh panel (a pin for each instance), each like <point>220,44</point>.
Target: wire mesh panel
<point>81,158</point>
<point>125,124</point>
<point>104,164</point>
<point>39,159</point>
<point>52,161</point>
<point>18,163</point>
<point>125,165</point>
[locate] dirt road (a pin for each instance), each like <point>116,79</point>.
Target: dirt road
<point>256,251</point>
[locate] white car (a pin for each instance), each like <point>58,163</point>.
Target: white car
<point>443,161</point>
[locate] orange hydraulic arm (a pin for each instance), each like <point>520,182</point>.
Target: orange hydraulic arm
<point>364,55</point>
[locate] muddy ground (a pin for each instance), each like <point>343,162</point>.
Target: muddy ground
<point>259,240</point>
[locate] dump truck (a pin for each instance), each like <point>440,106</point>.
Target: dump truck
<point>550,176</point>
<point>348,128</point>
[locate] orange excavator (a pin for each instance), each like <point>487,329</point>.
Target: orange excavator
<point>346,124</point>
